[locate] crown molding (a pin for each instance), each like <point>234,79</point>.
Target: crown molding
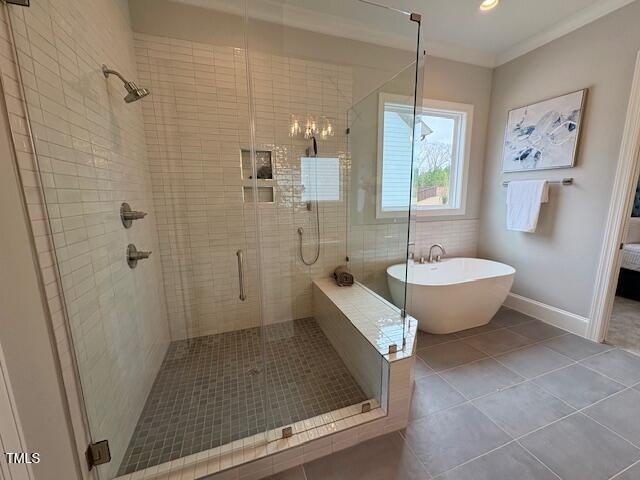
<point>460,54</point>
<point>561,29</point>
<point>354,29</point>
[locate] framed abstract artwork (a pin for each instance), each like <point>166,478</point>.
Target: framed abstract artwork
<point>544,135</point>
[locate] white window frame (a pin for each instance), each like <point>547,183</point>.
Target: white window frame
<point>459,169</point>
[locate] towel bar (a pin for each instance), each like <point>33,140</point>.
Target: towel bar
<point>564,181</point>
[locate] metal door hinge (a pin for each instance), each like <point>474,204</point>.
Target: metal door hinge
<point>22,3</point>
<point>287,432</point>
<point>98,453</point>
<point>415,17</point>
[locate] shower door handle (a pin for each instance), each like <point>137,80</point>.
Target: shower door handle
<point>240,255</point>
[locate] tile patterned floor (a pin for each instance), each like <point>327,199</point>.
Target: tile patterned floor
<point>209,390</point>
<point>513,400</point>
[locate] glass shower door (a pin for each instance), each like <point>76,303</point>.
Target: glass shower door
<point>168,344</point>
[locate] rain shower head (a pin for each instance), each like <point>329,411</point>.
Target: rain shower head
<point>133,91</point>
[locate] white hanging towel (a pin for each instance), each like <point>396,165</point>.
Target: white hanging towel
<point>524,198</point>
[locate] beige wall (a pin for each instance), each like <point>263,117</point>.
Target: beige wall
<point>464,83</point>
<point>557,264</point>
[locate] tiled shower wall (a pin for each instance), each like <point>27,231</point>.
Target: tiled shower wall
<point>92,156</point>
<point>196,123</point>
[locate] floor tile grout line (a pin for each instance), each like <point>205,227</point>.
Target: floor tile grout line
<point>490,355</point>
<point>502,327</point>
<point>538,459</point>
<point>575,410</point>
<point>580,411</point>
<point>497,359</point>
<point>405,443</point>
<point>489,452</point>
<point>514,439</point>
<point>637,446</point>
<point>600,373</point>
<point>457,337</point>
<point>636,463</point>
<point>471,400</point>
<point>525,379</point>
<point>533,343</point>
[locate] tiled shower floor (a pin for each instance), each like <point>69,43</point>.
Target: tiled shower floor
<point>210,390</point>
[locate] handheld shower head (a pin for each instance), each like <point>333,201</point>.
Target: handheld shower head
<point>134,93</point>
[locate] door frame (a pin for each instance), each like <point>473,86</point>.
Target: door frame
<point>618,218</point>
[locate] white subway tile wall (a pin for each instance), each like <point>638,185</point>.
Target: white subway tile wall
<point>92,156</point>
<point>196,123</point>
<point>458,237</point>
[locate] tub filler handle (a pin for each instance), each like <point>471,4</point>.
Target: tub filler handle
<point>240,255</point>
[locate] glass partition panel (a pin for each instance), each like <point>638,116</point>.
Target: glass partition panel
<point>381,184</point>
<point>305,74</point>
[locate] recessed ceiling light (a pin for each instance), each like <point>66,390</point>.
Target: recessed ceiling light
<point>487,5</point>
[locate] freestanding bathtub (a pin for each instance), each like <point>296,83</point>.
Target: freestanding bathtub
<point>452,295</point>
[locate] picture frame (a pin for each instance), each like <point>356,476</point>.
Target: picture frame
<point>544,135</point>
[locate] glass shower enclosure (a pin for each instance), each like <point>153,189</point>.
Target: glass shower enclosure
<point>190,220</point>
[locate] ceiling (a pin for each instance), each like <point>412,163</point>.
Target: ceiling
<point>454,29</point>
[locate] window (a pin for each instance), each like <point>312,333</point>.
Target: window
<point>320,179</point>
<point>443,135</point>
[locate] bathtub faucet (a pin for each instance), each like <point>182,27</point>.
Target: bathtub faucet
<point>438,257</point>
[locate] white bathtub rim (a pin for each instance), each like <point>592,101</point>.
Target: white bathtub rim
<point>512,271</point>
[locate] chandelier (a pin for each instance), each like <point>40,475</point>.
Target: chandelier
<point>311,126</point>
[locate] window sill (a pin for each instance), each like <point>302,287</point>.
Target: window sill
<point>440,212</point>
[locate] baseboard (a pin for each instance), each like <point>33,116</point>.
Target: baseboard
<point>553,316</point>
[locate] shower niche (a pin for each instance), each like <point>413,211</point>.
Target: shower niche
<point>264,176</point>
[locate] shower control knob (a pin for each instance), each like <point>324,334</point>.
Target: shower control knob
<point>133,255</point>
<point>128,216</point>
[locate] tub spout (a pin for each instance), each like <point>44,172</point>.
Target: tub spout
<point>438,257</point>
